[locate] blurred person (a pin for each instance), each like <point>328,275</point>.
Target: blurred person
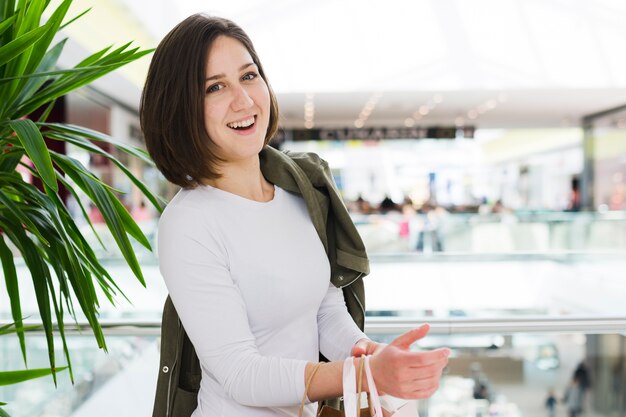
<point>141,213</point>
<point>551,403</point>
<point>499,208</point>
<point>257,322</point>
<point>362,205</point>
<point>581,373</point>
<point>574,203</point>
<point>387,205</point>
<point>573,397</point>
<point>430,236</point>
<point>95,216</point>
<point>408,217</point>
<point>583,376</point>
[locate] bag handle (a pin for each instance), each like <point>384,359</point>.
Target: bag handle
<point>359,389</point>
<point>351,394</point>
<point>306,387</point>
<point>378,412</point>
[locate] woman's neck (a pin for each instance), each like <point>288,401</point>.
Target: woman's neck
<point>244,180</point>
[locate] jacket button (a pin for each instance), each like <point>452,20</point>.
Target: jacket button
<point>340,277</point>
<point>166,369</point>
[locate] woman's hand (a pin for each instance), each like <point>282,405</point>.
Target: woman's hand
<point>366,347</point>
<point>404,374</point>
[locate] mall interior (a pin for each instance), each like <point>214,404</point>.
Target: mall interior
<point>480,147</point>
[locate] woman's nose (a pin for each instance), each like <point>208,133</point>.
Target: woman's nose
<point>241,99</point>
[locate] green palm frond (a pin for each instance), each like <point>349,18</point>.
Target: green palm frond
<point>34,222</point>
<point>13,377</point>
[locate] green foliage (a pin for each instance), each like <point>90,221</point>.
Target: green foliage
<point>35,222</point>
<point>14,377</point>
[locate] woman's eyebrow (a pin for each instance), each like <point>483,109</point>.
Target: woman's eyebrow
<point>218,76</point>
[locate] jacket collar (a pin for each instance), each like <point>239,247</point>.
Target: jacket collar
<point>309,176</point>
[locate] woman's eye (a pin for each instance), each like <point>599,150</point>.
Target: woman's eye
<point>213,88</point>
<point>249,76</point>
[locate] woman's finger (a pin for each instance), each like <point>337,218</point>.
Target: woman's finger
<point>404,341</point>
<point>422,394</point>
<point>431,357</point>
<point>360,348</point>
<point>425,373</point>
<point>418,391</point>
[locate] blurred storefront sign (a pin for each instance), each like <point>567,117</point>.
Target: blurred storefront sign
<point>377,133</point>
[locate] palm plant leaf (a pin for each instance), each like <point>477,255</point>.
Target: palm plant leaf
<point>73,80</point>
<point>40,274</point>
<point>6,24</point>
<point>83,250</point>
<point>82,142</point>
<point>114,214</point>
<point>43,73</point>
<point>47,74</point>
<point>64,269</point>
<point>9,159</point>
<point>32,57</point>
<point>13,328</point>
<point>69,22</point>
<point>10,279</point>
<point>34,145</point>
<point>13,377</point>
<point>16,47</point>
<point>83,132</point>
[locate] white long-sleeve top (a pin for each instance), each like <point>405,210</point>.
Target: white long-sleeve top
<point>250,282</point>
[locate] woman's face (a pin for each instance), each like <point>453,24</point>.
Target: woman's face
<point>237,101</point>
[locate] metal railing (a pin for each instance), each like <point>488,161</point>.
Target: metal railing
<point>596,324</point>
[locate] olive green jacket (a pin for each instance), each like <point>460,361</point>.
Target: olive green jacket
<point>309,176</point>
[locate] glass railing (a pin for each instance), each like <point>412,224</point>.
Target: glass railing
<point>498,367</point>
<point>118,383</point>
<point>496,285</point>
<point>484,298</point>
<point>440,231</point>
<point>439,285</point>
<point>443,232</point>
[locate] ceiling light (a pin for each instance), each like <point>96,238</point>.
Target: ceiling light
<point>409,122</point>
<point>367,109</point>
<point>309,110</point>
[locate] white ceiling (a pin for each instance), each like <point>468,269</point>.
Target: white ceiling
<point>515,63</point>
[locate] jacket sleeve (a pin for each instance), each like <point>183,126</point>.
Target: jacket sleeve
<point>195,268</point>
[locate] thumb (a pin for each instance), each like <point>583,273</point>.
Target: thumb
<point>360,348</point>
<point>405,340</point>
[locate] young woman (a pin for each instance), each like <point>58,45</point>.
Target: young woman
<point>257,246</point>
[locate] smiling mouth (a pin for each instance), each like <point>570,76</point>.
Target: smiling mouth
<point>243,124</point>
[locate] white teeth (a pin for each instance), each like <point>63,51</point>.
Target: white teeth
<point>243,123</point>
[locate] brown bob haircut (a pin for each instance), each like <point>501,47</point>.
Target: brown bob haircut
<point>172,102</point>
